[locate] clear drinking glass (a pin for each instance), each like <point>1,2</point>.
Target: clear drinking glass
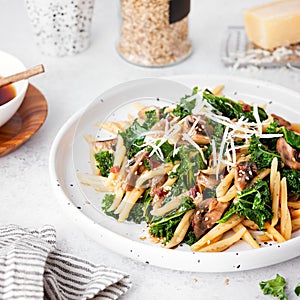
<point>154,33</point>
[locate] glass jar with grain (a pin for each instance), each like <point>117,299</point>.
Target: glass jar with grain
<point>154,33</point>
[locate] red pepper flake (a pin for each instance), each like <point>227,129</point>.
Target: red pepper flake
<point>115,169</point>
<point>161,192</point>
<point>246,108</point>
<point>194,191</point>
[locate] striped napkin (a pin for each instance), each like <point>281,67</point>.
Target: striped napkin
<point>32,268</point>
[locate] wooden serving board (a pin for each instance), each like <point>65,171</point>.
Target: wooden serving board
<point>25,123</point>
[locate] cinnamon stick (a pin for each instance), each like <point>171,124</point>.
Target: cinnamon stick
<point>22,75</point>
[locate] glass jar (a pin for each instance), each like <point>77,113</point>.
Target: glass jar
<point>154,33</point>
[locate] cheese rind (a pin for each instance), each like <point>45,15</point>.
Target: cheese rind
<point>274,24</point>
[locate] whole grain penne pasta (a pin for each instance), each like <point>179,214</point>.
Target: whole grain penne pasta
<point>118,188</point>
<point>96,181</point>
<point>218,90</point>
<point>119,155</point>
<point>120,152</point>
<point>296,127</point>
<point>294,204</point>
<point>285,217</point>
<point>247,237</point>
<point>113,127</point>
<point>90,140</point>
<point>275,199</point>
<point>181,229</point>
<point>273,174</point>
<point>265,237</point>
<point>231,193</point>
<point>295,214</point>
<point>129,202</point>
<point>276,235</point>
<point>161,170</point>
<point>295,224</point>
<point>216,231</point>
<point>225,243</point>
<point>264,173</point>
<point>224,186</point>
<point>169,206</point>
<point>139,106</point>
<point>250,224</point>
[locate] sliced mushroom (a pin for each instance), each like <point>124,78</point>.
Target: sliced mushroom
<point>207,180</point>
<point>289,155</point>
<point>105,145</point>
<point>195,126</point>
<point>195,193</point>
<point>156,183</point>
<point>208,212</point>
<point>245,171</point>
<point>282,122</point>
<point>134,168</point>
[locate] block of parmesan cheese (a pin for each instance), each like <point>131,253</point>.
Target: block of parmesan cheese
<point>274,24</point>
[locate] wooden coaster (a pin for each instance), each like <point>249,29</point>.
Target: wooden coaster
<point>25,123</point>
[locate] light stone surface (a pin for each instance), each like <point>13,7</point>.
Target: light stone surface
<point>70,83</point>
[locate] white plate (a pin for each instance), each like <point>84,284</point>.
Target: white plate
<point>126,238</point>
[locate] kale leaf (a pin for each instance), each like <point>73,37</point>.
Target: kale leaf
<point>133,139</point>
<point>184,108</point>
<point>218,132</point>
<point>291,137</point>
<point>274,287</point>
<point>232,109</point>
<point>253,203</point>
<point>106,204</point>
<point>189,165</point>
<point>105,161</point>
<point>273,128</point>
<point>293,180</point>
<point>151,119</point>
<point>133,136</point>
<point>167,150</point>
<point>260,154</point>
<point>164,227</point>
<point>141,209</point>
<point>297,290</point>
<point>190,238</point>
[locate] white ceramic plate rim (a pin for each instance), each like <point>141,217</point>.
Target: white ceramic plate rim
<point>188,261</point>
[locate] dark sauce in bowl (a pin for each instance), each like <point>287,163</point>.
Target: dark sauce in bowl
<point>7,93</point>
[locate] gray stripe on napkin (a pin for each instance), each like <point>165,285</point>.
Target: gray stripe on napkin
<point>31,267</point>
